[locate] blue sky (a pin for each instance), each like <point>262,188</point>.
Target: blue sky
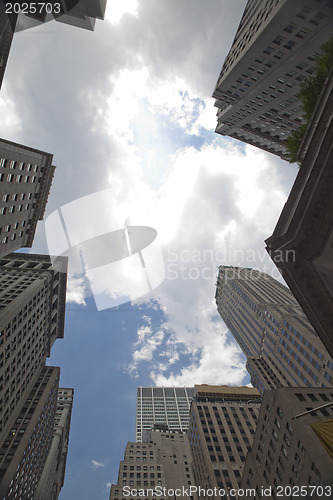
<point>128,114</point>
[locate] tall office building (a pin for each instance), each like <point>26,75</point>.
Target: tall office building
<point>155,468</point>
<point>24,447</point>
<point>163,405</point>
<point>25,180</point>
<point>7,28</point>
<point>274,50</point>
<point>306,223</point>
<point>52,478</point>
<point>281,347</point>
<point>32,309</point>
<point>292,450</point>
<point>221,431</point>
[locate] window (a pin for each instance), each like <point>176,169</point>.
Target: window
<point>289,428</point>
<point>290,45</point>
<point>302,33</point>
<point>301,65</point>
<point>278,40</point>
<point>290,28</point>
<point>268,50</point>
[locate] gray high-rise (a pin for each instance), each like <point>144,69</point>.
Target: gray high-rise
<point>32,310</point>
<point>25,180</point>
<point>281,347</point>
<point>274,50</point>
<point>292,450</point>
<point>52,478</point>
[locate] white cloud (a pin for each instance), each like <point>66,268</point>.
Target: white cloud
<point>206,118</point>
<point>144,348</point>
<point>96,465</point>
<point>135,95</point>
<point>116,9</point>
<point>219,363</point>
<point>146,318</point>
<point>76,289</point>
<point>201,217</point>
<point>10,123</point>
<point>218,199</point>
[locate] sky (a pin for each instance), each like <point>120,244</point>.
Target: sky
<point>141,176</point>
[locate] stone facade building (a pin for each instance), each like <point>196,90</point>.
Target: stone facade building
<point>222,427</point>
<point>25,180</point>
<point>52,478</point>
<point>32,313</point>
<point>305,225</point>
<point>25,446</point>
<point>156,467</point>
<point>292,450</point>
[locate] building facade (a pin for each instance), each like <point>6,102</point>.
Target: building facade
<point>25,447</point>
<point>306,223</point>
<point>52,478</point>
<point>32,310</point>
<point>7,28</point>
<point>156,468</point>
<point>274,50</point>
<point>25,180</point>
<point>221,431</point>
<point>281,347</point>
<point>163,405</point>
<point>292,450</point>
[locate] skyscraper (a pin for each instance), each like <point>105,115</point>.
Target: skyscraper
<point>7,28</point>
<point>26,444</point>
<point>164,461</point>
<point>25,180</point>
<point>32,309</point>
<point>52,478</point>
<point>163,405</point>
<point>221,431</point>
<point>292,449</point>
<point>305,224</point>
<point>274,50</point>
<point>281,347</point>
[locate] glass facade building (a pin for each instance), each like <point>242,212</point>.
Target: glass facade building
<point>163,406</point>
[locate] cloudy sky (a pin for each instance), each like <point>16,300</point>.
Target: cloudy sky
<point>127,112</point>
